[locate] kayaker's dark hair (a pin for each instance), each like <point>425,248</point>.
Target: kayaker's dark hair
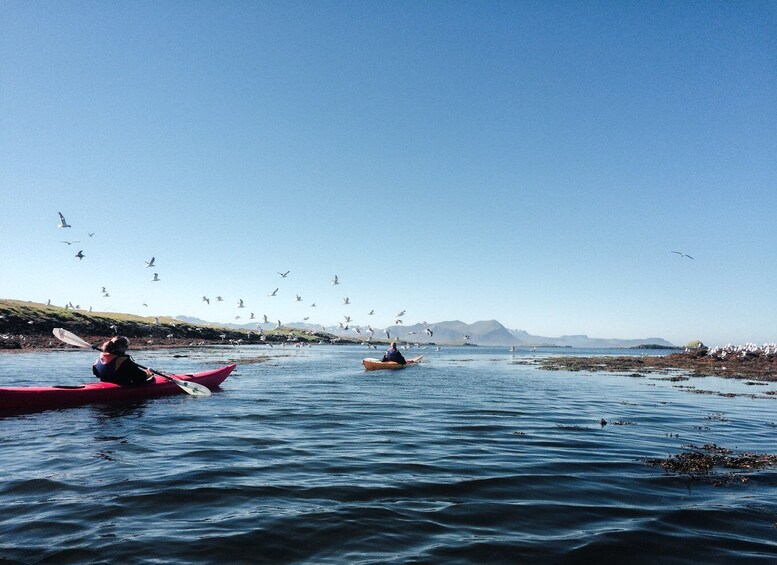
<point>115,344</point>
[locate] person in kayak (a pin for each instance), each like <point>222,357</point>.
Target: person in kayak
<point>115,366</point>
<point>393,354</point>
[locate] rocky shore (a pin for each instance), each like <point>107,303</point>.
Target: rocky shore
<point>695,363</point>
<point>27,326</point>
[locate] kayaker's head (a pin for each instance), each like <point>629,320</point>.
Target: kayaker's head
<point>116,345</point>
<point>393,345</point>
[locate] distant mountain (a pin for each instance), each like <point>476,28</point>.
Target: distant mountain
<point>584,341</point>
<point>489,332</point>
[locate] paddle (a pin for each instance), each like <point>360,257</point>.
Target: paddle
<point>187,386</point>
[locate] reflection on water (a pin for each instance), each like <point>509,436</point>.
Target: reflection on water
<point>474,456</point>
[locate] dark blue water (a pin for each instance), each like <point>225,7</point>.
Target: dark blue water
<point>469,458</point>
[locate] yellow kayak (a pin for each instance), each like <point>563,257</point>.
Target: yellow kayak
<point>377,364</point>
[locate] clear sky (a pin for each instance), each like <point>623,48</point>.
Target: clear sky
<point>531,162</point>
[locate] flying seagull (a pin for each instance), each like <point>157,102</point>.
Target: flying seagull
<point>206,299</point>
<point>402,313</point>
<point>681,254</point>
<point>273,293</point>
<point>240,303</point>
<point>156,278</point>
<point>346,300</point>
<point>62,222</point>
<point>335,280</point>
<point>299,298</point>
<point>150,263</point>
<point>284,275</point>
<point>372,313</point>
<point>70,242</point>
<point>90,234</point>
<point>219,299</point>
<point>80,255</point>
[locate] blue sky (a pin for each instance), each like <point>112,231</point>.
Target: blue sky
<point>532,162</point>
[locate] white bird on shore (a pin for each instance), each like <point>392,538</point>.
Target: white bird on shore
<point>62,222</point>
<point>150,263</point>
<point>681,254</point>
<point>273,293</point>
<point>335,280</point>
<point>80,255</point>
<point>284,275</point>
<point>156,278</point>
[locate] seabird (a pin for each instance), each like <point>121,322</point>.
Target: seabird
<point>240,303</point>
<point>156,278</point>
<point>372,313</point>
<point>104,290</point>
<point>90,234</point>
<point>313,305</point>
<point>219,299</point>
<point>346,300</point>
<point>206,299</point>
<point>252,316</point>
<point>70,242</point>
<point>150,263</point>
<point>681,254</point>
<point>273,292</point>
<point>284,275</point>
<point>335,280</point>
<point>347,318</point>
<point>398,322</point>
<point>107,295</point>
<point>429,332</point>
<point>80,255</point>
<point>62,222</point>
<point>388,335</point>
<point>402,313</point>
<point>266,321</point>
<point>299,298</point>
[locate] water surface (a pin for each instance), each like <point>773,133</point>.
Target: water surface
<point>471,457</point>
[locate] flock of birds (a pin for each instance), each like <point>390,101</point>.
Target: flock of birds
<point>344,326</point>
<point>742,351</point>
<point>241,303</point>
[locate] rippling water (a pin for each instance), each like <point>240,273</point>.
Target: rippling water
<point>471,457</point>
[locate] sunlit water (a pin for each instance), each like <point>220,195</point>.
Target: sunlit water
<point>472,457</point>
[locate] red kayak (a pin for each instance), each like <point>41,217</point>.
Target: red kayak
<point>33,398</point>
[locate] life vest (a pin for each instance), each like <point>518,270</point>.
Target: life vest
<point>107,366</point>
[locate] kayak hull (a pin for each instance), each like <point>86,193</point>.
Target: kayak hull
<point>377,365</point>
<point>34,398</point>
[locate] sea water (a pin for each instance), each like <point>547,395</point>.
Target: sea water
<point>474,456</point>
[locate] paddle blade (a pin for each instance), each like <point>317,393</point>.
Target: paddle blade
<point>192,388</point>
<point>70,338</point>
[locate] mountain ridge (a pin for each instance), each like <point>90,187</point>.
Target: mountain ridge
<point>483,332</point>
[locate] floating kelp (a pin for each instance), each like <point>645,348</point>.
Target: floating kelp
<point>701,461</point>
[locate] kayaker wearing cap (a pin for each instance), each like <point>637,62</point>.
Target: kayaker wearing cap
<point>115,366</point>
<point>393,354</point>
